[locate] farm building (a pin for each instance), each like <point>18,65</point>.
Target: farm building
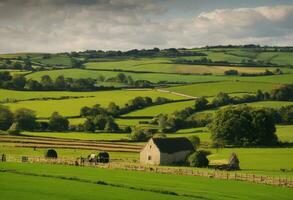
<point>165,151</point>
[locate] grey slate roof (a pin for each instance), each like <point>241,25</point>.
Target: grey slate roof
<point>172,145</point>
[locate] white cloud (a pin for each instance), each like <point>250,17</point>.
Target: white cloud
<point>69,25</point>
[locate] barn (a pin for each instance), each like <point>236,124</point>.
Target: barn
<point>165,151</point>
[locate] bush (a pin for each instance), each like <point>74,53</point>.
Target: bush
<point>198,159</point>
<point>51,153</point>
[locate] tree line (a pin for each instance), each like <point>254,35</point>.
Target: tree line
<point>24,119</point>
<point>60,83</point>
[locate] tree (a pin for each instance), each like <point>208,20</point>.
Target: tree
<point>245,126</point>
<point>60,83</point>
<point>111,126</point>
<point>26,119</point>
<point>85,111</point>
<point>18,82</point>
<point>6,118</point>
<point>113,109</point>
<point>260,95</point>
<point>100,121</point>
<point>200,103</point>
<point>58,123</point>
<point>139,134</point>
<point>47,82</point>
<point>33,85</point>
<point>221,99</point>
<point>198,159</point>
<point>89,125</point>
<point>75,63</point>
<point>283,93</point>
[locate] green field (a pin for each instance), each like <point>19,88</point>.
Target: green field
<point>165,66</point>
<point>146,185</point>
<point>212,89</point>
<point>259,160</point>
<point>158,109</point>
<point>261,104</point>
<point>71,107</point>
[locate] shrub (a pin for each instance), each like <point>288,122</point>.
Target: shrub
<point>198,159</point>
<point>51,153</point>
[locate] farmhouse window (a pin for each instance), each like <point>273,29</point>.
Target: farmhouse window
<point>149,157</point>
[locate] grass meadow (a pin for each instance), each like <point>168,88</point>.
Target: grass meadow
<point>37,179</point>
<point>212,89</point>
<point>71,107</point>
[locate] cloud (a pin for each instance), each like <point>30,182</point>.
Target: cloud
<point>70,25</point>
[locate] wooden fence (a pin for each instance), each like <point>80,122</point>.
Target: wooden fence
<point>226,175</point>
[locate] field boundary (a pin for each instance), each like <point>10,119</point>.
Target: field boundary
<point>216,174</point>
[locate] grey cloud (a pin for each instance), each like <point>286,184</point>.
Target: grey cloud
<point>69,25</point>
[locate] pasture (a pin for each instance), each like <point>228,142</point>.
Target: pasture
<point>158,109</point>
<point>71,107</point>
<point>166,66</point>
<point>266,161</point>
<point>147,185</point>
<point>157,77</point>
<point>212,89</point>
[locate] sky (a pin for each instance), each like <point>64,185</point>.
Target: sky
<point>77,25</point>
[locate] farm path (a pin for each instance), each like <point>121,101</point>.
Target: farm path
<point>176,93</point>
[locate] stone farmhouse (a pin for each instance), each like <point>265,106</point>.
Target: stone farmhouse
<point>165,151</point>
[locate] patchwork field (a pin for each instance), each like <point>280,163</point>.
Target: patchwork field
<point>170,80</point>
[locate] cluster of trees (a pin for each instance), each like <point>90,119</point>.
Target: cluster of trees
<point>243,126</point>
<point>25,64</point>
<point>46,83</point>
<point>265,73</point>
<point>186,119</point>
<point>122,78</point>
<point>115,110</point>
<point>25,119</point>
<point>155,52</point>
<point>101,119</point>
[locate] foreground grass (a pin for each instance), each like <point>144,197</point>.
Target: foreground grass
<point>147,185</point>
